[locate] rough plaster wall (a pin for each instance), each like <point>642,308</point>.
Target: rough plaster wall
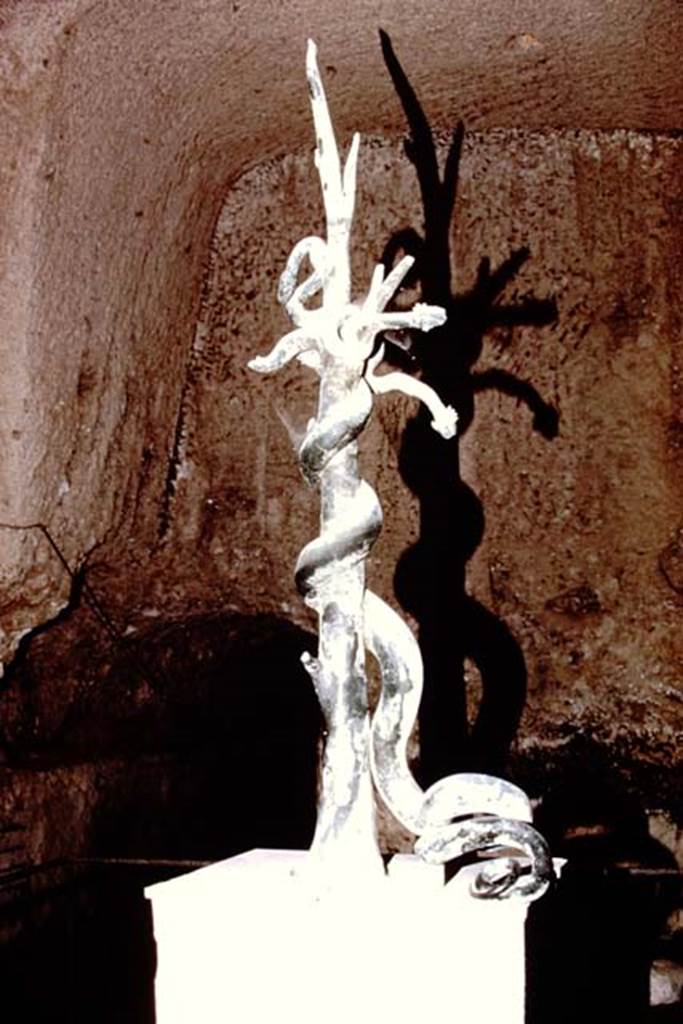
<point>580,544</point>
<point>106,253</point>
<point>578,553</point>
<point>121,123</point>
<point>124,127</point>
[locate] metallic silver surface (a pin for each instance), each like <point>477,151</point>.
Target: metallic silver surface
<point>463,814</point>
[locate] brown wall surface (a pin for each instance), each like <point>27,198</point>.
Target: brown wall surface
<point>156,171</point>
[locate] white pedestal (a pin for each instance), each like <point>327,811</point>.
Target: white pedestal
<point>247,941</point>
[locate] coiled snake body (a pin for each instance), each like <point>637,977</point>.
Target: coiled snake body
<point>461,814</point>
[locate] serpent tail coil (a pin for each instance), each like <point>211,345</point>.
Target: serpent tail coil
<point>460,814</point>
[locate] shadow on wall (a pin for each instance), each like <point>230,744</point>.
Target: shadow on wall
<point>592,939</point>
<point>430,579</point>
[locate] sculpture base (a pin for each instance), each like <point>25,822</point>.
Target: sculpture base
<point>250,940</point>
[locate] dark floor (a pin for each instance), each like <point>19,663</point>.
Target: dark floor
<point>81,951</point>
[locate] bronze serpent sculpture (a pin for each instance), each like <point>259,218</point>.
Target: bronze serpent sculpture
<point>462,814</point>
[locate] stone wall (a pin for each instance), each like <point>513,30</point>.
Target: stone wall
<point>578,546</point>
<point>156,172</point>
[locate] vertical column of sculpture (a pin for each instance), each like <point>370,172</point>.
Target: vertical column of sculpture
<point>459,814</point>
<point>337,340</point>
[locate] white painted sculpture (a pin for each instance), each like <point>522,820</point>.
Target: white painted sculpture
<point>292,935</point>
<point>463,813</point>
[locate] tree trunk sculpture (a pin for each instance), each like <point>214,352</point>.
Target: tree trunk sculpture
<point>463,813</point>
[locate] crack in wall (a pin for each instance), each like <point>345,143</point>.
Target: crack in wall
<point>80,588</point>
